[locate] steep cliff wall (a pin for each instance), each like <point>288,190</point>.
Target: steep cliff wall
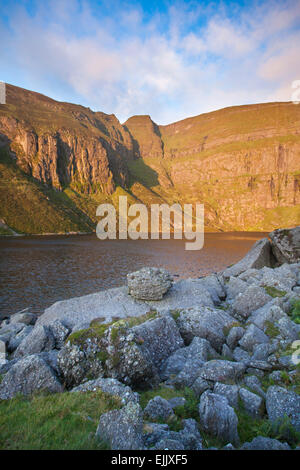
<point>242,162</point>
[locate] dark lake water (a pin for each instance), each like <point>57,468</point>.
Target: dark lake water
<point>37,271</point>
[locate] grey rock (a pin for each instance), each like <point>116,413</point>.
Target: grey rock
<point>226,352</point>
<point>265,443</point>
<point>169,444</point>
<point>271,312</point>
<point>199,349</point>
<point>111,387</point>
<point>200,385</point>
<point>16,340</point>
<point>261,352</point>
<point>204,322</point>
<point>59,332</point>
<point>259,256</point>
<point>215,287</point>
<point>229,447</point>
<point>231,392</point>
<point>218,418</point>
<point>149,283</point>
<point>222,371</point>
<point>10,331</point>
<point>154,432</point>
<point>122,429</point>
<point>234,287</point>
<point>240,355</point>
<point>188,374</point>
<point>190,435</point>
<point>23,317</point>
<point>234,335</point>
<point>79,312</point>
<point>250,300</point>
<point>177,401</point>
<point>280,403</point>
<point>2,353</point>
<point>288,329</point>
<point>252,337</point>
<point>252,403</point>
<point>283,278</point>
<point>6,365</point>
<point>158,408</point>
<point>286,244</point>
<point>40,339</point>
<point>28,375</point>
<point>254,384</point>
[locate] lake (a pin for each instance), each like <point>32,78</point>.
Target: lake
<point>37,271</point>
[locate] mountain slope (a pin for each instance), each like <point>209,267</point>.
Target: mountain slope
<point>61,160</point>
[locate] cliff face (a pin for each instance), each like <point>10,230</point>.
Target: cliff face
<point>242,162</point>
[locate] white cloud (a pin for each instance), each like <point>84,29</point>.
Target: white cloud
<point>169,66</point>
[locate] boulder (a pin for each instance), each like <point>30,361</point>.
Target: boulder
<point>199,349</point>
<point>59,332</point>
<point>39,339</point>
<point>259,256</point>
<point>214,286</point>
<point>7,332</point>
<point>281,403</point>
<point>265,443</point>
<point>188,374</point>
<point>234,335</point>
<point>240,355</point>
<point>200,385</point>
<point>169,444</point>
<point>252,337</point>
<point>23,317</point>
<point>15,340</point>
<point>250,300</point>
<point>111,387</point>
<point>28,375</point>
<point>122,429</point>
<point>254,384</point>
<point>270,312</point>
<point>158,408</point>
<point>218,418</point>
<point>204,322</point>
<point>2,353</point>
<point>252,403</point>
<point>149,283</point>
<point>231,392</point>
<point>235,286</point>
<point>286,244</point>
<point>222,371</point>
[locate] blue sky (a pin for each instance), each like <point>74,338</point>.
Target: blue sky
<point>167,59</point>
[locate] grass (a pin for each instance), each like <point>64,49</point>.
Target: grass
<point>295,311</point>
<point>62,421</point>
<point>273,292</point>
<point>271,330</point>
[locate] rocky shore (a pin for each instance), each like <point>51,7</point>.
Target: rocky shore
<point>227,343</point>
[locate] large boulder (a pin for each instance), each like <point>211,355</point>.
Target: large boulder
<point>286,244</point>
<point>111,387</point>
<point>252,337</point>
<point>129,352</point>
<point>205,322</point>
<point>259,256</point>
<point>24,316</point>
<point>149,283</point>
<point>122,429</point>
<point>39,339</point>
<point>28,375</point>
<point>253,404</point>
<point>250,300</point>
<point>222,371</point>
<point>218,418</point>
<point>16,340</point>
<point>281,403</point>
<point>79,312</point>
<point>158,408</point>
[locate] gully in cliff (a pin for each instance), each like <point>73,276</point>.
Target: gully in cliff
<point>134,222</point>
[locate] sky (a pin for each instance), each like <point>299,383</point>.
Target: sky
<point>170,60</point>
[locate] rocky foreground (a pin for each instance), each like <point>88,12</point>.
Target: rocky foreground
<point>230,338</point>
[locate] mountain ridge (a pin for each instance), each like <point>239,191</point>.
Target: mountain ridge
<point>242,162</point>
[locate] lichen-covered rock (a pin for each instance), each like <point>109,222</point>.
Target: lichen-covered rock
<point>250,300</point>
<point>204,322</point>
<point>200,385</point>
<point>222,371</point>
<point>281,403</point>
<point>265,443</point>
<point>259,256</point>
<point>149,283</point>
<point>235,286</point>
<point>286,244</point>
<point>2,353</point>
<point>28,375</point>
<point>9,331</point>
<point>122,429</point>
<point>231,392</point>
<point>252,403</point>
<point>59,332</point>
<point>269,313</point>
<point>218,418</point>
<point>111,387</point>
<point>234,335</point>
<point>23,317</point>
<point>16,340</point>
<point>199,349</point>
<point>254,384</point>
<point>253,336</point>
<point>40,339</point>
<point>158,408</point>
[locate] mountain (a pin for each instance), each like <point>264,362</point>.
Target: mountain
<point>58,161</point>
